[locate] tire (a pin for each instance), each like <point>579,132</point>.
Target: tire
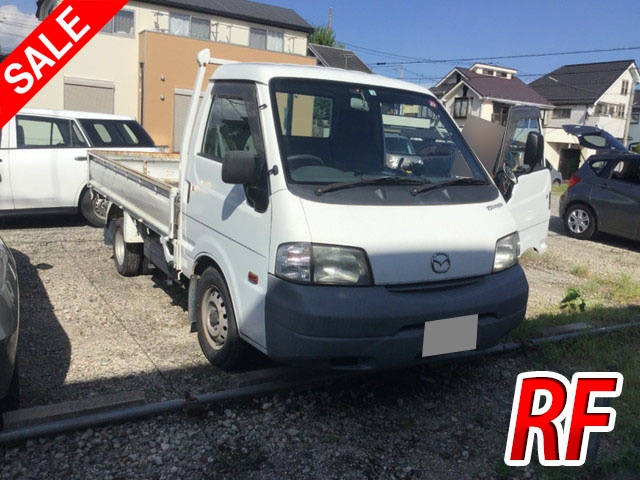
<point>557,183</point>
<point>216,324</point>
<point>580,221</point>
<point>93,210</point>
<point>12,400</point>
<point>126,256</point>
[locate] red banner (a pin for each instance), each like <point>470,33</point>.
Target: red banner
<point>49,48</point>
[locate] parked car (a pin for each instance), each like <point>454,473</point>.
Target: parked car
<point>309,248</point>
<point>556,176</point>
<point>43,157</point>
<point>9,323</point>
<point>400,151</point>
<point>603,194</point>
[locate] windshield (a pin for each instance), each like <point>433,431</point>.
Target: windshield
<point>332,132</point>
<point>116,133</point>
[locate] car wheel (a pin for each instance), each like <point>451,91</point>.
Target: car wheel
<point>580,221</point>
<point>216,323</point>
<point>94,210</point>
<point>557,183</point>
<point>126,256</point>
<point>12,400</point>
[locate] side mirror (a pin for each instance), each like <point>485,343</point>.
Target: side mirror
<point>241,168</point>
<point>534,150</point>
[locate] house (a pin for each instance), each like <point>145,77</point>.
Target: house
<point>142,64</point>
<point>485,91</point>
<point>596,94</point>
<point>337,58</point>
<point>634,121</point>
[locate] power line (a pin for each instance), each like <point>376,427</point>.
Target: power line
<point>504,57</point>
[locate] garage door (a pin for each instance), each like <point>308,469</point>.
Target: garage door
<point>88,95</point>
<point>181,100</point>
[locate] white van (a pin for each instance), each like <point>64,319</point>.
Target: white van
<point>296,237</point>
<point>43,157</point>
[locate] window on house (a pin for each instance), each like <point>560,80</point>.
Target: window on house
<point>621,110</point>
<point>266,39</point>
<point>121,24</point>
<point>625,87</point>
<point>489,72</point>
<point>188,26</point>
<point>562,113</point>
<point>635,117</point>
<point>606,109</point>
<point>460,107</point>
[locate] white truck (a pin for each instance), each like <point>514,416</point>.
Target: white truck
<point>297,237</point>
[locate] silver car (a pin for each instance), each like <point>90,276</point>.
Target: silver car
<point>9,322</point>
<point>556,176</point>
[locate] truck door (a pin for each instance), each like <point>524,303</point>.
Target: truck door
<point>48,166</point>
<point>6,199</point>
<point>231,223</point>
<point>529,196</point>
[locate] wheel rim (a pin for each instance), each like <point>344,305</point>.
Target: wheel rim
<point>214,317</point>
<point>119,247</point>
<point>578,221</point>
<point>100,207</point>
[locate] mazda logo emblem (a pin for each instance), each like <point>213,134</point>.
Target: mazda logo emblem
<point>440,263</point>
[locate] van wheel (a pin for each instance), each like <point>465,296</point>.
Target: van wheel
<point>216,323</point>
<point>127,256</point>
<point>12,400</point>
<point>94,210</point>
<point>580,221</point>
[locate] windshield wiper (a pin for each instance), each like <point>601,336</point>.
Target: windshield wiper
<point>389,180</point>
<point>448,183</point>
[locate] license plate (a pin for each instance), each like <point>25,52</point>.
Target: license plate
<point>450,335</point>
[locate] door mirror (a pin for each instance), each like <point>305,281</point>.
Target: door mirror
<point>509,173</point>
<point>534,150</point>
<point>241,168</point>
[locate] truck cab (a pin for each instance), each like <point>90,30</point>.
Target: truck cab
<point>299,238</point>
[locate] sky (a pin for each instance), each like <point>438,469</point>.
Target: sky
<point>426,29</point>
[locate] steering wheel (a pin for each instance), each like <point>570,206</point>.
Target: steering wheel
<point>304,160</point>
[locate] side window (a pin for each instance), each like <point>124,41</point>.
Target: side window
<point>305,115</point>
<point>43,132</point>
<point>598,167</point>
<point>232,123</point>
<point>516,146</point>
<point>627,171</point>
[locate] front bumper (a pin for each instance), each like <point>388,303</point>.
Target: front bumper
<point>383,326</point>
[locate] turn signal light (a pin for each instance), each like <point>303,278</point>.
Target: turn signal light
<point>574,180</point>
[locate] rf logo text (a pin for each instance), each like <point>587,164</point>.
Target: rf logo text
<point>559,415</point>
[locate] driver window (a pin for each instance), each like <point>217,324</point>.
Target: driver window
<point>515,153</point>
<point>227,128</point>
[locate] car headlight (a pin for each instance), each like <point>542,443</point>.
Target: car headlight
<point>507,252</point>
<point>322,264</point>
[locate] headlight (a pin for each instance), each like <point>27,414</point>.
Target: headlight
<point>507,252</point>
<point>322,264</point>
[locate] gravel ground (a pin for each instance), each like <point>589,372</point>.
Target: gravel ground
<point>86,331</point>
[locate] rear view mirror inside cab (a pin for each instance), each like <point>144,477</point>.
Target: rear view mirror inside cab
<point>359,104</point>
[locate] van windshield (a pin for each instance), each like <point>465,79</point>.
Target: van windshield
<point>331,132</point>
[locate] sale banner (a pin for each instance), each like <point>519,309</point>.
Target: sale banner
<point>49,48</point>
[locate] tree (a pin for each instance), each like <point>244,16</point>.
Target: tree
<point>323,35</point>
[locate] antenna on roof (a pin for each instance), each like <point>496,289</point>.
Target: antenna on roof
<point>330,17</point>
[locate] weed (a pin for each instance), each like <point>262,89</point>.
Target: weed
<point>581,271</point>
<point>573,301</point>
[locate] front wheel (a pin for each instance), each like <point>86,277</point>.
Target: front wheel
<point>94,210</point>
<point>216,323</point>
<point>126,256</point>
<point>580,222</point>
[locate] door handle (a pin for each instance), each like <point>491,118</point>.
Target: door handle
<point>80,159</point>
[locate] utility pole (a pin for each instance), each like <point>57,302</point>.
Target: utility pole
<point>400,68</point>
<point>330,18</point>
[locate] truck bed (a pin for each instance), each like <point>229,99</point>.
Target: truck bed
<point>143,184</point>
